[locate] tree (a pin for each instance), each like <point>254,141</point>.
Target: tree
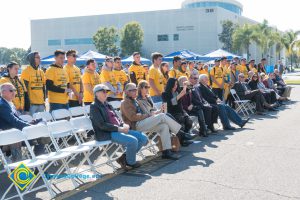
<point>14,54</point>
<point>290,40</point>
<point>242,38</point>
<point>105,41</point>
<point>228,28</point>
<point>132,37</point>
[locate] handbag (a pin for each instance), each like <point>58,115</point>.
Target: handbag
<point>175,143</point>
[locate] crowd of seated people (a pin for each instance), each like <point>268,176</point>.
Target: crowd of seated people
<point>187,90</point>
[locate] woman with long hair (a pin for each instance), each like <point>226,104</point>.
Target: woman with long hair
<point>21,101</point>
<point>164,69</point>
<point>173,97</point>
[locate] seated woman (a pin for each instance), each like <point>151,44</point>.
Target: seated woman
<point>108,126</point>
<point>174,106</point>
<point>147,107</point>
<point>268,82</point>
<point>256,84</point>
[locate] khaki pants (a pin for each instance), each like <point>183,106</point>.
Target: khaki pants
<point>162,124</point>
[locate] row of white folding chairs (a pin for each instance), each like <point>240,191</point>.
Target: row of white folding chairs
<point>58,130</point>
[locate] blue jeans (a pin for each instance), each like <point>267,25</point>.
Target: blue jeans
<point>226,113</point>
<point>133,142</point>
<point>156,99</point>
<point>56,106</point>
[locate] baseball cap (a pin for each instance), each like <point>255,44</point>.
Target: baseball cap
<point>100,87</point>
<point>130,86</point>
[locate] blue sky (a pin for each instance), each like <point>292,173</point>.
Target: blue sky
<point>15,15</point>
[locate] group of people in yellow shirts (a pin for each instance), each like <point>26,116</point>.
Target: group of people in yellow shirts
<point>65,86</point>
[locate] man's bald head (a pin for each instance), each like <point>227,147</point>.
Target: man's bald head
<point>8,91</point>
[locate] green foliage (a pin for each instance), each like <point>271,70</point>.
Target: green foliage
<point>105,41</point>
<point>132,37</point>
<point>228,28</point>
<point>15,54</point>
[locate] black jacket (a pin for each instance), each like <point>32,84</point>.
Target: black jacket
<point>100,121</point>
<point>208,94</point>
<point>240,89</point>
<point>253,85</point>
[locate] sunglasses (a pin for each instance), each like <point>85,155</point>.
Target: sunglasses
<point>147,87</point>
<point>195,78</point>
<point>134,90</point>
<point>12,90</point>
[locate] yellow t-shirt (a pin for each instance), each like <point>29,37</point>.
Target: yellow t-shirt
<point>138,71</point>
<point>60,78</point>
<point>157,77</point>
<point>36,83</point>
<point>253,69</point>
<point>204,71</point>
<point>121,77</point>
<point>186,74</point>
<point>19,100</point>
<point>242,69</point>
<point>108,76</point>
<point>92,78</point>
<point>217,73</point>
<point>74,78</point>
<point>174,73</point>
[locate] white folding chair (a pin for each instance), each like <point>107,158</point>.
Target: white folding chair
<point>40,131</point>
<point>242,105</point>
<point>87,109</point>
<point>115,104</point>
<point>85,124</point>
<point>61,114</point>
<point>13,136</point>
<point>43,115</point>
<point>77,111</point>
<point>27,118</point>
<point>61,130</point>
<point>158,105</point>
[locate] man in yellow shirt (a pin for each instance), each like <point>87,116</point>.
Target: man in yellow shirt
<point>252,66</point>
<point>217,78</point>
<point>183,69</point>
<point>120,76</point>
<point>242,68</point>
<point>107,77</point>
<point>34,79</point>
<point>74,74</point>
<point>90,78</point>
<point>156,78</point>
<point>57,83</point>
<point>174,72</point>
<point>136,70</point>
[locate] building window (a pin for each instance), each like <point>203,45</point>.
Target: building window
<point>77,41</point>
<point>176,37</point>
<point>162,38</point>
<point>54,42</point>
<point>209,10</point>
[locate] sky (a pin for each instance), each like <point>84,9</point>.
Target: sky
<point>15,15</point>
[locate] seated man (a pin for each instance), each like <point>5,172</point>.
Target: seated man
<point>244,92</point>
<point>268,82</point>
<point>226,113</point>
<point>108,126</point>
<point>285,90</point>
<point>160,123</point>
<point>9,118</point>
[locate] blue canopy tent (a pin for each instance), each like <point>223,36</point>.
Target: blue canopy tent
<point>219,54</point>
<point>93,55</point>
<point>186,54</point>
<point>129,60</point>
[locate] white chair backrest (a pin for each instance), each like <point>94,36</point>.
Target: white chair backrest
<point>26,118</point>
<point>11,136</point>
<point>43,115</point>
<point>234,95</point>
<point>36,131</point>
<point>77,111</point>
<point>115,104</point>
<point>60,128</point>
<point>87,109</point>
<point>60,114</point>
<point>82,123</point>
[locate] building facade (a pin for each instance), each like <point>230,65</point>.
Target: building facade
<point>194,27</point>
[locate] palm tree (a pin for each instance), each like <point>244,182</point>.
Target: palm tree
<point>242,38</point>
<point>290,41</point>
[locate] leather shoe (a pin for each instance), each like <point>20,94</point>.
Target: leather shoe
<point>245,122</point>
<point>167,154</point>
<point>229,128</point>
<point>259,113</point>
<point>186,143</point>
<point>135,165</point>
<point>122,161</point>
